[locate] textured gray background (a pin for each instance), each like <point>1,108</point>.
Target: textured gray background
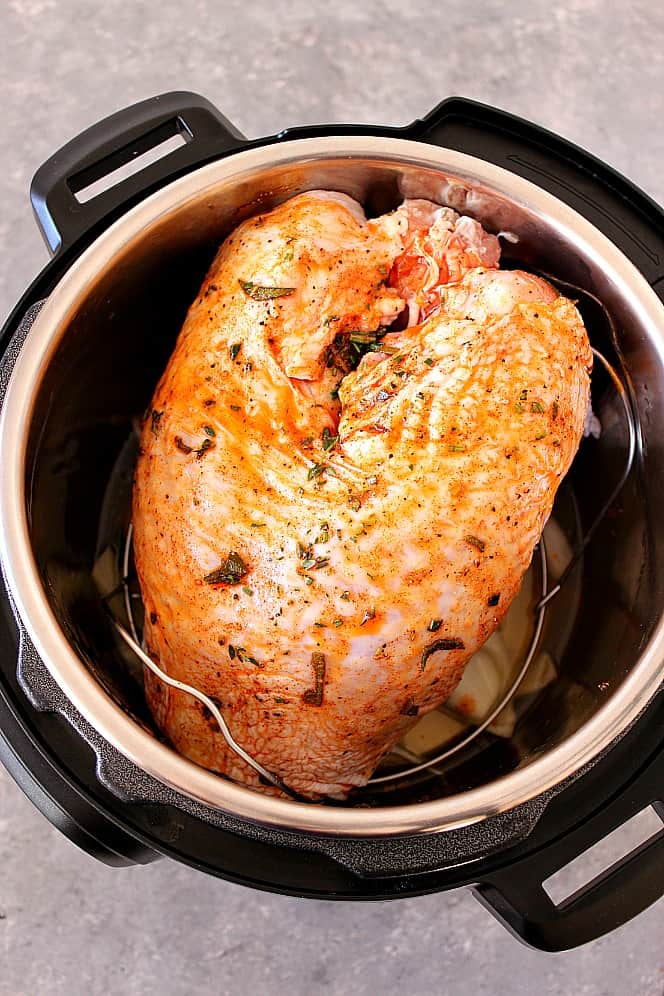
<point>593,71</point>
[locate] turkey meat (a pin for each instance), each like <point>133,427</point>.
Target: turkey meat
<point>343,474</point>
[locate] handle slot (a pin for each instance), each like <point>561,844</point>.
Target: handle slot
<point>130,159</point>
<point>584,873</point>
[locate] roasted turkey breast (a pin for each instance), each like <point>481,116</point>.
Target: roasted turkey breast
<point>322,544</point>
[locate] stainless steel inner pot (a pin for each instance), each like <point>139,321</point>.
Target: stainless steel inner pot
<point>88,368</point>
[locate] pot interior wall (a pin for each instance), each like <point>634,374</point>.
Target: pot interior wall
<point>100,381</point>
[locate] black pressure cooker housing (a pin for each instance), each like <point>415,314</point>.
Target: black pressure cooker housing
<point>86,789</point>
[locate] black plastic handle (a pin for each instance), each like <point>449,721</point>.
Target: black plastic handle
<point>517,897</point>
<point>115,142</point>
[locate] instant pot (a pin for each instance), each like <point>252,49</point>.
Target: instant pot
<point>81,354</point>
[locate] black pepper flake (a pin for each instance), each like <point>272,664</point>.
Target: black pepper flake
<point>209,431</point>
<point>447,643</point>
<point>153,617</point>
<point>209,402</point>
<point>409,708</point>
<point>493,599</point>
<point>235,349</point>
<point>554,411</point>
<point>314,696</point>
<point>435,625</point>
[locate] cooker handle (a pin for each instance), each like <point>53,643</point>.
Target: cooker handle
<point>516,895</point>
<point>64,212</point>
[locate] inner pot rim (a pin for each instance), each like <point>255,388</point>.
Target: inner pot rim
<point>72,675</point>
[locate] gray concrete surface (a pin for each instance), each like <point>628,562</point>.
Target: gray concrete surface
<point>591,70</point>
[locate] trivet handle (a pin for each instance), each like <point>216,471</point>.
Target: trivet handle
<point>64,213</point>
<point>516,894</point>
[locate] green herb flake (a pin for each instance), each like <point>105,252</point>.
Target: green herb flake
<point>537,406</point>
<point>182,446</point>
<point>524,395</point>
<point>278,698</point>
<point>456,448</point>
<point>519,407</point>
<point>315,471</point>
<point>235,349</point>
<point>346,596</point>
<point>209,431</point>
<point>235,408</point>
<point>314,696</point>
<point>258,293</point>
<point>435,625</point>
<point>328,439</point>
<point>155,419</point>
<point>554,410</point>
<point>368,615</point>
<point>231,571</point>
<point>471,540</point>
<point>248,591</point>
<point>448,643</point>
<point>540,435</point>
<point>206,445</point>
<point>308,581</point>
<point>363,338</point>
<point>428,361</point>
<point>337,622</point>
<point>320,562</point>
<point>231,651</point>
<point>308,564</point>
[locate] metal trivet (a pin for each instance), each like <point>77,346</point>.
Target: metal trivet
<point>133,641</point>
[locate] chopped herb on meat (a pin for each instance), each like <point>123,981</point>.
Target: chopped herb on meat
<point>231,571</point>
<point>259,293</point>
